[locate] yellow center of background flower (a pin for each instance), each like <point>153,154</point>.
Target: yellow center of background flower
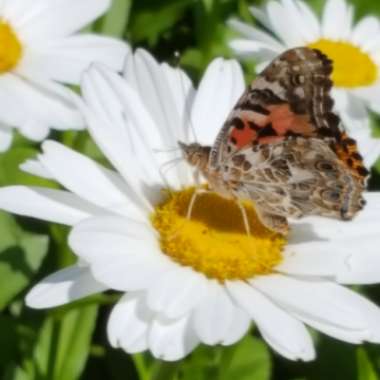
<point>352,67</point>
<point>10,48</point>
<point>214,241</point>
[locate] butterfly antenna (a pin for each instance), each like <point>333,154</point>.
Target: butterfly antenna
<point>165,167</point>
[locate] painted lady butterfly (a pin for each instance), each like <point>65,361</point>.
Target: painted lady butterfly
<point>282,146</point>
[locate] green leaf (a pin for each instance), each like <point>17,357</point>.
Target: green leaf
<point>149,24</point>
<point>336,360</point>
<point>366,371</point>
<point>64,344</point>
<point>8,340</point>
<point>21,255</point>
<point>247,360</point>
<point>202,364</point>
<point>115,21</point>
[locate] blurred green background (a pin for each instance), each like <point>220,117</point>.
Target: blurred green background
<point>70,342</point>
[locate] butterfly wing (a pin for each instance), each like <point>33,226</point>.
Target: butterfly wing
<point>294,178</point>
<point>291,97</point>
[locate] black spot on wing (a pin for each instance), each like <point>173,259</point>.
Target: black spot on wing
<point>237,123</point>
<point>267,131</point>
<point>249,106</point>
<point>254,126</point>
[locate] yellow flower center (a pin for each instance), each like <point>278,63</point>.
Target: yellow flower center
<point>214,240</point>
<point>10,48</point>
<point>352,66</point>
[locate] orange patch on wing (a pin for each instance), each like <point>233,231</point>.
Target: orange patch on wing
<point>243,136</point>
<point>348,153</point>
<point>284,120</point>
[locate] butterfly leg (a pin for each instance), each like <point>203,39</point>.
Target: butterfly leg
<point>192,201</point>
<point>245,217</point>
<point>274,222</point>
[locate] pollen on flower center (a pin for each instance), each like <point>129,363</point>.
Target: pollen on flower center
<point>352,66</point>
<point>214,241</point>
<point>10,48</point>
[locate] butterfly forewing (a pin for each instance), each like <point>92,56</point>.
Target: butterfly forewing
<point>291,97</point>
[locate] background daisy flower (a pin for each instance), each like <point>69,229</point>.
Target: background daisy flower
<point>354,49</point>
<point>202,280</point>
<point>40,50</point>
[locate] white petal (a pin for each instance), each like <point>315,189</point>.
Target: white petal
<point>355,114</point>
<point>64,286</point>
<point>29,102</point>
<point>261,16</point>
<point>370,312</point>
<point>149,80</point>
<point>340,96</point>
<point>337,20</point>
<point>175,293</point>
<point>280,16</point>
<point>214,315</point>
<point>55,206</point>
<point>361,263</point>
<point>300,16</point>
<point>108,126</point>
<point>239,327</point>
<point>34,130</point>
<point>324,234</point>
<point>371,95</point>
<point>252,48</point>
<point>34,167</point>
<point>66,59</point>
<point>160,110</point>
<point>255,34</point>
<point>310,262</point>
<point>337,332</point>
<point>310,19</point>
<point>283,333</point>
<point>122,253</point>
<point>368,146</point>
<point>182,93</point>
<point>171,340</point>
<point>144,135</point>
<point>365,30</point>
<point>6,137</point>
<point>99,186</point>
<point>319,300</point>
<point>128,324</point>
<point>58,18</point>
<point>214,102</point>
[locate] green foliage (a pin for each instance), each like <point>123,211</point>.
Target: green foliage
<point>21,255</point>
<point>61,347</point>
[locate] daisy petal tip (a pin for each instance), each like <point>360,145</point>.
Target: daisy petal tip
<point>40,297</point>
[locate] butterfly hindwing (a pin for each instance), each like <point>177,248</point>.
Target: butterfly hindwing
<point>293,178</point>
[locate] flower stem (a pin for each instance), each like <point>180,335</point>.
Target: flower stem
<point>164,370</point>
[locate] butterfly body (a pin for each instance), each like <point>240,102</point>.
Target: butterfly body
<point>282,147</point>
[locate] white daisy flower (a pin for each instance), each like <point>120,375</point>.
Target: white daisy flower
<point>187,281</point>
<point>354,49</point>
<point>39,50</point>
